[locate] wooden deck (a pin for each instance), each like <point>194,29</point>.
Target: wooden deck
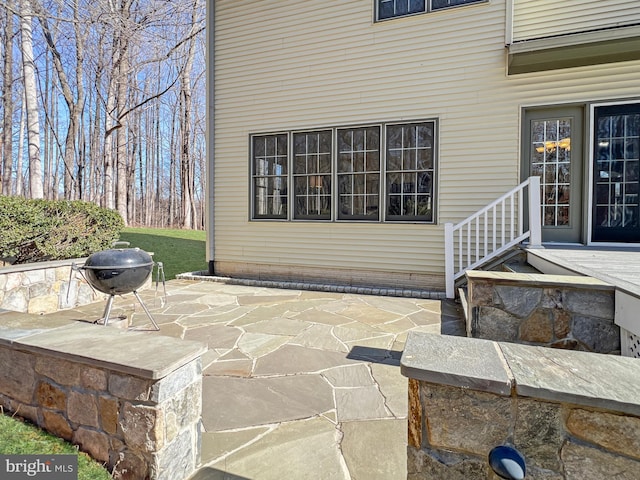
<point>617,266</point>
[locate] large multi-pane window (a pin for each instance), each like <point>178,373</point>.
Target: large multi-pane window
<point>380,172</point>
<point>399,8</point>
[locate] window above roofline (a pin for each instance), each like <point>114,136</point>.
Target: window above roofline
<point>391,9</point>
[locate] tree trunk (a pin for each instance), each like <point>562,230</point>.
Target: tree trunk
<point>33,120</point>
<point>19,177</point>
<point>187,159</point>
<point>121,134</point>
<point>7,95</point>
<point>108,191</point>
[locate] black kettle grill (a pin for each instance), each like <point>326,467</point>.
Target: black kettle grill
<point>118,271</point>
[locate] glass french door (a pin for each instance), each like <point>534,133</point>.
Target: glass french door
<point>616,179</point>
<point>553,151</point>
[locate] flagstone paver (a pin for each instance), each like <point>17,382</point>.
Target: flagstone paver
<point>279,326</point>
<point>232,368</point>
<point>320,336</point>
<point>243,402</point>
<point>360,403</point>
<point>222,443</point>
<point>297,384</point>
<point>215,336</point>
<point>295,359</point>
<point>306,449</point>
<point>256,345</point>
<point>357,375</point>
<point>364,437</point>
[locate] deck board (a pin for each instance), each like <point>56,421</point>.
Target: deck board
<point>615,265</point>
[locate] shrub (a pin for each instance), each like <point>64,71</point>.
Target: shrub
<point>41,230</point>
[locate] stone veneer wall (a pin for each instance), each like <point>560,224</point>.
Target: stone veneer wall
<point>573,415</point>
<point>44,287</point>
<point>558,311</point>
<point>141,420</point>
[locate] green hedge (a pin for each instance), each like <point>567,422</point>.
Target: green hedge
<point>41,230</point>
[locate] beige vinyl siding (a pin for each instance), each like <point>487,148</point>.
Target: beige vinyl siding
<point>547,18</point>
<point>289,65</point>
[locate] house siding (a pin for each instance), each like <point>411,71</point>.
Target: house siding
<point>290,65</point>
<point>547,18</point>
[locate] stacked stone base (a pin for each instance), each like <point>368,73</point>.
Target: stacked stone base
<point>569,312</point>
<point>572,415</point>
<point>559,441</point>
<point>141,423</point>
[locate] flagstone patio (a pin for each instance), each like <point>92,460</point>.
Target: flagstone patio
<point>296,384</point>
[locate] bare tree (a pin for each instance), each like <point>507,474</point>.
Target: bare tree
<point>187,182</point>
<point>7,93</point>
<point>31,101</point>
<point>74,101</point>
<point>19,184</point>
<point>112,111</point>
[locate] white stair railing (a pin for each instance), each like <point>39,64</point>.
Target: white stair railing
<point>492,231</point>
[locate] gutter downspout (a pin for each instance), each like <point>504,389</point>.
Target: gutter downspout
<point>210,137</point>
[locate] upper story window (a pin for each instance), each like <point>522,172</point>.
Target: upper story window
<point>400,8</point>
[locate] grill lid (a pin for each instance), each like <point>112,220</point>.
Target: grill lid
<point>121,258</point>
<point>118,271</point>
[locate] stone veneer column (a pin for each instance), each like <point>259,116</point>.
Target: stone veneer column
<point>558,311</point>
<point>131,400</point>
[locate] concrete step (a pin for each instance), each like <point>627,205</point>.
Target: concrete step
<point>519,266</point>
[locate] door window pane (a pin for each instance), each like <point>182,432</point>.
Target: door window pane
<point>616,168</point>
<point>551,161</point>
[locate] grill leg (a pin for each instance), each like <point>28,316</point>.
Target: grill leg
<point>107,310</point>
<point>146,310</point>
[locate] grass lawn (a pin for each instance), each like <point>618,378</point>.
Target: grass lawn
<point>20,438</point>
<point>179,251</point>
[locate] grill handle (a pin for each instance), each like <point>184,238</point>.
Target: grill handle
<point>118,243</point>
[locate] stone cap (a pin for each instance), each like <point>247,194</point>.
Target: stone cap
<point>564,376</point>
<point>456,361</point>
<point>139,354</point>
<point>25,267</point>
<point>539,279</point>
